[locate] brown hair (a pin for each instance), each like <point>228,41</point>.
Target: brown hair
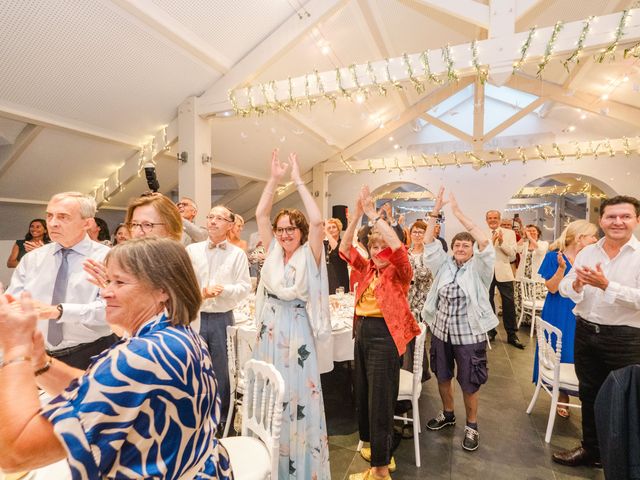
<point>531,225</point>
<point>462,237</point>
<point>375,237</point>
<point>618,200</point>
<point>297,219</point>
<point>419,224</point>
<point>165,208</point>
<point>174,274</point>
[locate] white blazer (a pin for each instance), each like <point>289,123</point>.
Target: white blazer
<point>505,254</point>
<point>536,260</point>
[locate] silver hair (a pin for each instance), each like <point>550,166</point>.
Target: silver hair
<point>87,203</point>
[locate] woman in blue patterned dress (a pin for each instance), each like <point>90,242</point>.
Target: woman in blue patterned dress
<point>292,312</point>
<point>145,408</point>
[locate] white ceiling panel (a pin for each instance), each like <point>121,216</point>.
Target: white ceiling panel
<point>88,61</point>
<point>243,146</point>
<point>57,161</point>
<point>218,22</point>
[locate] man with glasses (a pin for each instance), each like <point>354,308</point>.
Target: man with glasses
<point>222,270</point>
<point>70,309</point>
<point>191,232</point>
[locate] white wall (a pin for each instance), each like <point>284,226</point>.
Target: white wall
<point>492,187</point>
<point>5,250</point>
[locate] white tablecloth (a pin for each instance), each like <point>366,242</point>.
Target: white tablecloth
<point>339,349</point>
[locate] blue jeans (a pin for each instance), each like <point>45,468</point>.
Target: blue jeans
<point>213,328</point>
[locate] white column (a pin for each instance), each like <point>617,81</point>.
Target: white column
<point>194,139</point>
<point>320,189</point>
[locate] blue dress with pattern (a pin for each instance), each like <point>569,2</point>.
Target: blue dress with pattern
<point>558,311</point>
<point>145,408</point>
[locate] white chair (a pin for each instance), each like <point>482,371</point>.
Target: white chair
<point>257,458</point>
<point>530,303</point>
<point>410,389</point>
<point>240,343</point>
<point>553,376</point>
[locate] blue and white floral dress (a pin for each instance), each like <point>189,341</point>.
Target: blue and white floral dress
<point>293,322</point>
<point>146,408</point>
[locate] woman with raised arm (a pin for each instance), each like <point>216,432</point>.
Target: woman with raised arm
<point>383,326</point>
<point>459,314</point>
<point>292,313</point>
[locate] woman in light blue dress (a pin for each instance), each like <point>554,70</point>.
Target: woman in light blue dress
<point>292,312</point>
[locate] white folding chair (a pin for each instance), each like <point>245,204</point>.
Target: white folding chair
<point>257,458</point>
<point>410,389</point>
<point>530,303</point>
<point>553,376</point>
<point>240,342</point>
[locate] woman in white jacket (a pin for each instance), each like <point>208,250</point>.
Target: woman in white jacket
<point>532,251</point>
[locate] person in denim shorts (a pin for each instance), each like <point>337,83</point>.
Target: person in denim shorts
<point>459,314</point>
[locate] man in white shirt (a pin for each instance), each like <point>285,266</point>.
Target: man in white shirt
<point>191,233</point>
<point>504,242</point>
<point>605,285</point>
<point>222,270</point>
<point>70,309</point>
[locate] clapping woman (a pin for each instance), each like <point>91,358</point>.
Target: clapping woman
<point>147,407</point>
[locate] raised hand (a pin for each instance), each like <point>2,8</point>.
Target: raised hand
<point>96,271</point>
<point>295,168</point>
<point>454,204</point>
<point>17,325</point>
<point>440,202</point>
<point>368,206</point>
<point>278,169</point>
<point>561,261</point>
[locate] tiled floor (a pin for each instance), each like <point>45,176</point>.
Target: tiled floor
<point>511,442</point>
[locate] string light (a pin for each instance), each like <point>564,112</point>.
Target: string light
<point>346,164</point>
<point>522,155</point>
<point>527,208</point>
<point>611,49</point>
<point>575,55</point>
<point>482,73</point>
<point>557,151</point>
<point>452,75</point>
<point>417,84</point>
<point>524,49</point>
<point>548,51</point>
<point>541,153</point>
<point>424,59</point>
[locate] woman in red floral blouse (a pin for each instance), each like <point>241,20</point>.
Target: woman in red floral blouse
<point>383,325</point>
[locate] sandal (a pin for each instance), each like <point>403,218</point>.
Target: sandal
<point>563,411</point>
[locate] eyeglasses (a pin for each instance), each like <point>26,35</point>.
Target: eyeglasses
<point>183,204</point>
<point>145,226</point>
<point>417,232</point>
<point>288,230</point>
<point>218,218</point>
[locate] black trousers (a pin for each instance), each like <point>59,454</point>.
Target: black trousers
<point>508,305</point>
<point>599,349</point>
<point>377,378</point>
<point>80,355</point>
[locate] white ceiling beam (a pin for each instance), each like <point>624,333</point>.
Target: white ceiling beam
<point>583,100</point>
<point>500,53</point>
<point>265,54</point>
<point>407,116</point>
<point>467,10</point>
<point>22,142</point>
<point>513,119</point>
<point>167,26</point>
<point>478,114</point>
<point>36,117</point>
<point>314,131</point>
<point>442,125</point>
<point>560,151</point>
